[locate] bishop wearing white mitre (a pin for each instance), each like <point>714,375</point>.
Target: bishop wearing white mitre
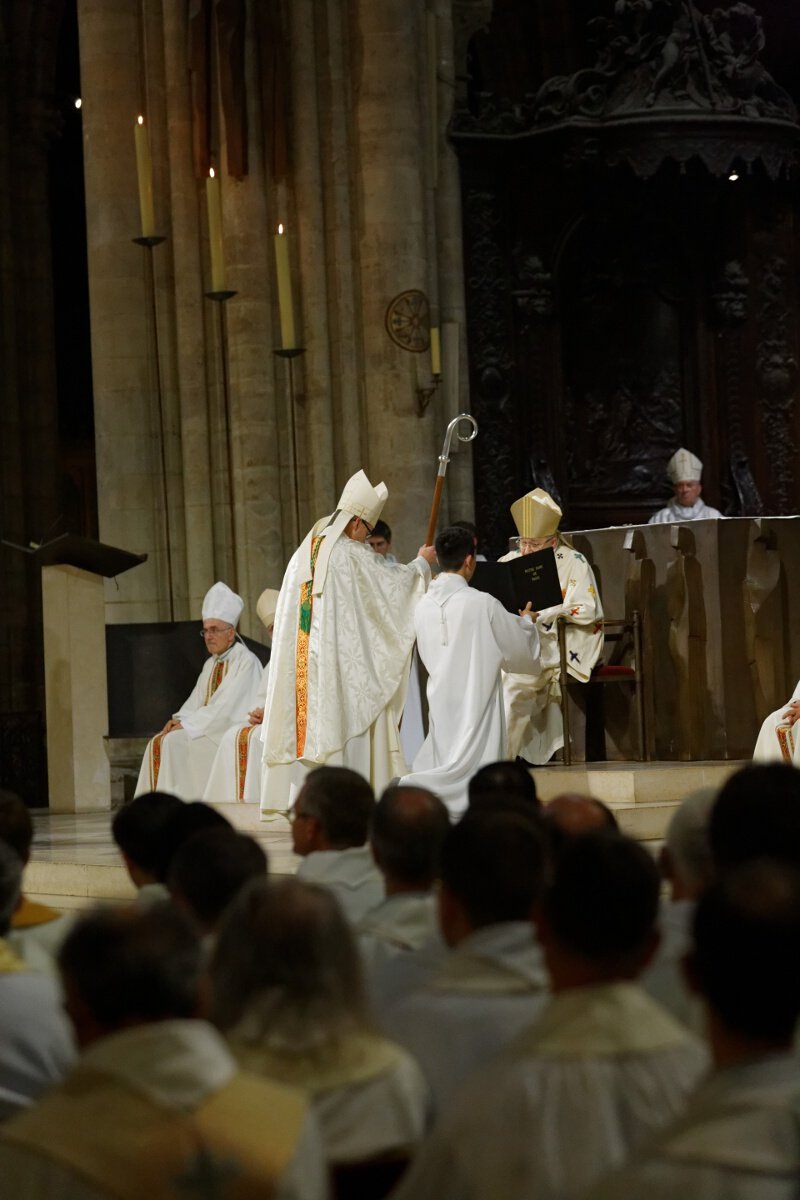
<point>235,775</point>
<point>533,702</point>
<point>685,472</point>
<point>179,758</point>
<point>341,649</point>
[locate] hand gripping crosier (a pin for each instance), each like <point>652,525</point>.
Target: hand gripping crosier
<point>444,459</point>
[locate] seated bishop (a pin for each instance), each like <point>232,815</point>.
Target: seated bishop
<point>685,473</point>
<point>777,738</point>
<point>180,757</point>
<point>235,775</point>
<point>533,702</point>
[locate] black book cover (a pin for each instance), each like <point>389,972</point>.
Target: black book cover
<point>531,577</point>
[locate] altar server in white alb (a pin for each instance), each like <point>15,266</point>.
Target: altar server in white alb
<point>465,639</point>
<point>685,472</point>
<point>532,702</point>
<point>341,649</point>
<point>777,738</point>
<point>179,758</point>
<point>235,775</point>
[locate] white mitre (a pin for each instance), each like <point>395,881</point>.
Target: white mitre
<point>684,467</point>
<point>223,604</point>
<point>267,606</point>
<point>358,499</point>
<point>536,515</point>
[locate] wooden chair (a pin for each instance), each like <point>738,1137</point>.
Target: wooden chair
<point>621,635</point>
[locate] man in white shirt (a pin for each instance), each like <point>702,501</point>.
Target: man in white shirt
<point>685,472</point>
<point>330,823</point>
<point>406,834</point>
<point>465,639</point>
<point>596,1073</point>
<point>156,1104</point>
<point>739,1138</point>
<point>180,757</point>
<point>493,980</point>
<point>687,866</point>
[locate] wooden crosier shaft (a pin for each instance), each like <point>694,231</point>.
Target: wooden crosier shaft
<point>437,500</point>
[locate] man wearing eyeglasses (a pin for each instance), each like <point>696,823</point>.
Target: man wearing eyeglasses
<point>180,757</point>
<point>341,649</point>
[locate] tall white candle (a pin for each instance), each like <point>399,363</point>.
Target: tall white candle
<point>285,299</point>
<point>214,206</point>
<point>144,175</point>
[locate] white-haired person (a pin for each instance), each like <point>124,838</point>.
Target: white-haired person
<point>685,473</point>
<point>290,999</point>
<point>235,774</point>
<point>179,758</point>
<point>533,702</point>
<point>341,651</point>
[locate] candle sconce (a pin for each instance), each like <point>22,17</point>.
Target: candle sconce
<point>149,242</point>
<point>426,394</point>
<point>220,297</point>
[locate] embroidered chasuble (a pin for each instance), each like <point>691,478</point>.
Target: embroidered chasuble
<point>341,650</point>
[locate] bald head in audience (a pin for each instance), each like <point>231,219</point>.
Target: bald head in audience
<point>408,827</point>
<point>571,815</point>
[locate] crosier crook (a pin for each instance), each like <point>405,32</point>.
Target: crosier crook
<point>444,459</point>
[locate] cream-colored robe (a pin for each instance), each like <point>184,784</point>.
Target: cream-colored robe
<point>777,741</point>
<point>235,775</point>
<point>533,702</point>
<point>595,1075</point>
<point>359,650</point>
<point>179,762</point>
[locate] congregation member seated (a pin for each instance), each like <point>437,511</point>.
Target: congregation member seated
<point>37,930</point>
<point>209,870</point>
<point>533,702</point>
<point>330,823</point>
<point>493,980</point>
<point>739,1138</point>
<point>36,1045</point>
<point>235,775</point>
<point>685,472</point>
<point>156,1106</point>
<point>601,1069</point>
<point>510,777</point>
<point>406,834</point>
<point>777,739</point>
<point>465,640</point>
<point>136,829</point>
<point>687,866</point>
<point>289,997</point>
<point>756,815</point>
<point>183,822</point>
<point>179,758</point>
<point>570,815</point>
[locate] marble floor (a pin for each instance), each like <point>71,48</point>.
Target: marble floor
<point>75,861</point>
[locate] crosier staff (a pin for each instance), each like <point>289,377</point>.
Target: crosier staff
<point>444,459</point>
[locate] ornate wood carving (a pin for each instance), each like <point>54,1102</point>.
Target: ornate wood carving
<point>776,370</point>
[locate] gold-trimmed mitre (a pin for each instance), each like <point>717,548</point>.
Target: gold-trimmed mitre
<point>536,515</point>
<point>684,467</point>
<point>267,606</point>
<point>361,499</point>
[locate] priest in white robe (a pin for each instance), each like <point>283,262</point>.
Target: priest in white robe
<point>739,1138</point>
<point>179,758</point>
<point>465,639</point>
<point>600,1069</point>
<point>685,473</point>
<point>341,650</point>
<point>777,739</point>
<point>235,775</point>
<point>533,702</point>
